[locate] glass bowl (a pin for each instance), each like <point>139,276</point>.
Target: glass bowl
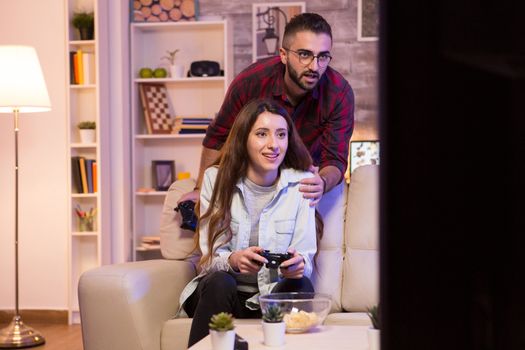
<point>302,311</point>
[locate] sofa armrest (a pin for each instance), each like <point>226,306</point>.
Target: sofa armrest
<point>124,306</point>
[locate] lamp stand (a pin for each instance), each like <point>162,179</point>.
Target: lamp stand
<point>17,334</point>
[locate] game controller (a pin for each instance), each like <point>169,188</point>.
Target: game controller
<point>187,211</point>
<point>275,259</point>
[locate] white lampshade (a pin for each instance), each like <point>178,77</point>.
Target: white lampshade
<point>22,84</point>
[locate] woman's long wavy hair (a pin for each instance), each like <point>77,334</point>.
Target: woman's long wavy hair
<point>233,165</point>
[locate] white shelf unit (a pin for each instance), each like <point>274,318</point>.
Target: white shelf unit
<point>189,96</point>
<point>88,102</point>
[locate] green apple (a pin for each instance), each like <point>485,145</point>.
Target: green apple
<point>145,73</point>
<point>160,73</point>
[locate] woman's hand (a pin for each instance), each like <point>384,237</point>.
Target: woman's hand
<point>294,267</point>
<point>247,261</point>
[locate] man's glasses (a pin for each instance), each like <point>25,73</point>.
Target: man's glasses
<point>306,57</point>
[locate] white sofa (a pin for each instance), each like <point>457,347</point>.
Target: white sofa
<point>131,306</point>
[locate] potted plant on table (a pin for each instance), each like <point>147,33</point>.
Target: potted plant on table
<point>87,131</point>
<point>85,23</point>
<point>374,331</point>
<point>221,331</point>
<point>176,70</point>
<point>273,326</point>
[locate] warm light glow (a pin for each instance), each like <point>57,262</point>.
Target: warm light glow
<point>271,45</point>
<point>22,84</point>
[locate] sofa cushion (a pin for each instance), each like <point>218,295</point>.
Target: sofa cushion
<point>348,319</point>
<point>328,274</point>
<point>175,243</point>
<point>361,261</point>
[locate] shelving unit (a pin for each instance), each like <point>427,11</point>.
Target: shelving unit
<point>188,96</point>
<point>88,102</point>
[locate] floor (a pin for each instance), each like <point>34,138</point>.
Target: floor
<point>58,336</point>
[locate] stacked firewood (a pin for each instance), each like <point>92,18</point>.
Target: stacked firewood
<point>163,10</point>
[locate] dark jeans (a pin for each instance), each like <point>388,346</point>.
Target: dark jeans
<point>217,292</point>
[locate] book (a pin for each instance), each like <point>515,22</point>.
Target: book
<point>75,175</point>
<point>95,179</point>
<point>192,120</point>
<point>80,67</point>
<point>88,67</point>
<point>75,67</point>
<point>83,174</point>
<point>89,174</point>
<point>183,131</point>
<point>72,67</point>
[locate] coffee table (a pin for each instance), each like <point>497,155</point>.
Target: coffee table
<point>333,337</point>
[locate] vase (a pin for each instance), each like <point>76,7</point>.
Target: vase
<point>274,333</point>
<point>222,340</point>
<point>87,135</point>
<point>86,224</point>
<point>87,33</point>
<point>177,71</point>
<point>374,339</point>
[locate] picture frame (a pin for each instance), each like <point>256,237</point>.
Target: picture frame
<point>165,11</point>
<point>367,20</point>
<point>268,21</point>
<point>363,153</point>
<point>156,108</point>
<point>163,174</point>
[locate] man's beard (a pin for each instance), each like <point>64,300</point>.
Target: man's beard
<point>296,78</point>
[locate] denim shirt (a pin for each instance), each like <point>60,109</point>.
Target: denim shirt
<point>286,221</point>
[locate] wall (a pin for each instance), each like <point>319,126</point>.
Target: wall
<point>356,60</point>
<point>42,167</point>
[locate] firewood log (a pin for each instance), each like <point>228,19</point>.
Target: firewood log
<point>175,14</point>
<point>188,8</point>
<point>153,18</point>
<point>146,12</point>
<point>166,4</point>
<point>156,10</point>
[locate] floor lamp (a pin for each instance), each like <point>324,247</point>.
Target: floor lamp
<point>22,90</point>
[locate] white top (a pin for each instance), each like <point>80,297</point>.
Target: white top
<point>286,221</point>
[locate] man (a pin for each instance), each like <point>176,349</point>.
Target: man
<point>319,99</point>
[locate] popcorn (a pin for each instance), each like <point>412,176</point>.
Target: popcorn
<point>300,319</point>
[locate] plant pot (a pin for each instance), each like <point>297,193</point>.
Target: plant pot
<point>274,333</point>
<point>87,135</point>
<point>374,339</point>
<point>87,33</point>
<point>177,71</point>
<point>222,340</point>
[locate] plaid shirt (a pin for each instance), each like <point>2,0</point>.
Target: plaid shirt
<point>324,117</point>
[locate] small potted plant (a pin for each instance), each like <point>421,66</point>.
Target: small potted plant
<point>273,326</point>
<point>85,23</point>
<point>87,131</point>
<point>374,339</point>
<point>221,331</point>
<point>176,70</point>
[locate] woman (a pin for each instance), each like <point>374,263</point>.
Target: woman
<point>249,202</point>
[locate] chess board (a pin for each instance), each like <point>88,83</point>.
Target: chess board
<point>154,98</point>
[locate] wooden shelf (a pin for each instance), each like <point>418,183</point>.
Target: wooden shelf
<point>169,136</point>
<point>88,102</point>
<point>188,80</point>
<point>188,96</point>
<point>151,194</point>
<point>83,145</point>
